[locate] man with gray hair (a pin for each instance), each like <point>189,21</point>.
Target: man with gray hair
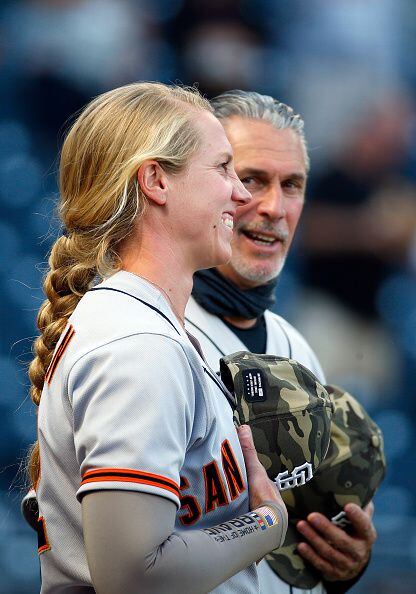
<point>230,307</point>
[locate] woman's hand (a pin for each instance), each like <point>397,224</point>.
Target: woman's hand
<point>261,488</point>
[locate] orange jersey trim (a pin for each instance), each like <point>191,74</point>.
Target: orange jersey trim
<point>43,541</point>
<point>68,336</point>
<point>126,475</point>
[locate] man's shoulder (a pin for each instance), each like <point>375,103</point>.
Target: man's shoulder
<point>218,340</point>
<point>285,340</point>
<point>276,323</point>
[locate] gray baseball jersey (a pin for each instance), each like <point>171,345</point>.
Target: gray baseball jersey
<point>128,403</point>
<point>217,340</point>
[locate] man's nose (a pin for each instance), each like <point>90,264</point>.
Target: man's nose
<point>271,203</point>
<point>240,193</point>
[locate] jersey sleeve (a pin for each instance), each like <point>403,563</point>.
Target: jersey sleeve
<point>133,406</point>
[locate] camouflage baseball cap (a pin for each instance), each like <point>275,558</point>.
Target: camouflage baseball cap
<point>288,410</point>
<point>351,472</point>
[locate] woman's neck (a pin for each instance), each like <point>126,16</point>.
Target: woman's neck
<point>148,253</point>
<point>175,285</point>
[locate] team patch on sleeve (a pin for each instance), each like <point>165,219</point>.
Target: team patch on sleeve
<point>125,475</point>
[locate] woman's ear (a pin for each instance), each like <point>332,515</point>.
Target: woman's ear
<point>153,181</point>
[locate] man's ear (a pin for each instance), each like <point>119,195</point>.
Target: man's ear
<point>153,181</point>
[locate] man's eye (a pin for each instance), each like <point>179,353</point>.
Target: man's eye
<point>247,180</point>
<point>292,184</point>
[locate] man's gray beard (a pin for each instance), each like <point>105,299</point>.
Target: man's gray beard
<point>257,273</point>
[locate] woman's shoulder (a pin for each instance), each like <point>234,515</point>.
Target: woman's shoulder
<point>124,305</point>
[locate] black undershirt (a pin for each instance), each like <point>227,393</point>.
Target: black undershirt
<point>254,338</point>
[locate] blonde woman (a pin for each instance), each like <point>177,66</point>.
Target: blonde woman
<point>143,483</point>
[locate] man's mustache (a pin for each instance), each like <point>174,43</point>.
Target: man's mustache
<point>281,233</point>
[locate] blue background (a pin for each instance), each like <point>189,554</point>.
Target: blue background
<point>348,67</point>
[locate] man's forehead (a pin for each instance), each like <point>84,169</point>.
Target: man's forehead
<point>269,162</point>
<point>257,141</point>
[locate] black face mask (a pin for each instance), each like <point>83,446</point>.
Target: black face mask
<point>221,297</point>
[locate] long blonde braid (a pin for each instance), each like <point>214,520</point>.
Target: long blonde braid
<point>100,198</point>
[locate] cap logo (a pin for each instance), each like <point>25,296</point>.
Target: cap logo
<point>254,385</point>
<point>341,520</point>
<point>299,476</point>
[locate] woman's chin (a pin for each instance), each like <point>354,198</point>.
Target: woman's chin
<point>223,256</point>
<point>216,256</point>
